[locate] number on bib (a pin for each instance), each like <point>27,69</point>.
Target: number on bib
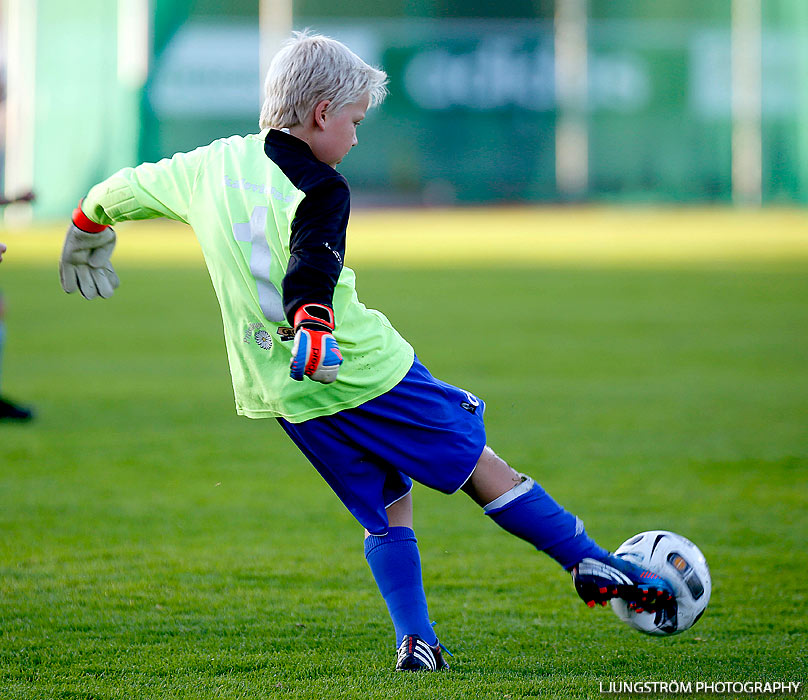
<point>269,297</point>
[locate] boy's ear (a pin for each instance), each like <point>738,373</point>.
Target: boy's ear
<point>319,114</point>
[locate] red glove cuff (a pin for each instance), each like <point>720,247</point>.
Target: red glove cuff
<point>81,221</point>
<point>315,315</point>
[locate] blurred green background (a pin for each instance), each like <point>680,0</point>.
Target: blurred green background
<point>475,111</point>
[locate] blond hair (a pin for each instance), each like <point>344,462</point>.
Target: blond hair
<point>311,68</point>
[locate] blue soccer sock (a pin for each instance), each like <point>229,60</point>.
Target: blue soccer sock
<point>527,511</point>
<point>395,562</point>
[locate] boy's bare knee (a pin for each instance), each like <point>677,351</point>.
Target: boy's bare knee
<point>399,514</point>
<point>491,478</point>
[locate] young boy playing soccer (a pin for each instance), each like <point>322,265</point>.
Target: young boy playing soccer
<point>270,212</point>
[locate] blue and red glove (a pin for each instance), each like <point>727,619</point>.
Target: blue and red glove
<point>315,353</point>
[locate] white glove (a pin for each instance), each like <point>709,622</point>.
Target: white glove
<point>85,263</point>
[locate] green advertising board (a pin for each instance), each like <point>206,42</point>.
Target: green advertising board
<point>472,114</point>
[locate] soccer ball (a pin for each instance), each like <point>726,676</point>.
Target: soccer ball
<point>678,561</point>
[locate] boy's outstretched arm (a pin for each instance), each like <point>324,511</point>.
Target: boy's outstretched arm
<point>151,190</point>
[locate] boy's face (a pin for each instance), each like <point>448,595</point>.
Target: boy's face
<point>338,134</point>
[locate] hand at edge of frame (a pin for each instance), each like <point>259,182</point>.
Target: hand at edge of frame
<point>85,262</point>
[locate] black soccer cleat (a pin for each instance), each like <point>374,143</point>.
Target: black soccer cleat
<point>414,654</point>
<point>600,580</point>
<point>13,411</point>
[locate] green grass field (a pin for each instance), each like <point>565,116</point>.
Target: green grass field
<point>155,545</point>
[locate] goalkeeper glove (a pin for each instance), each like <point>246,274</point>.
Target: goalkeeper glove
<point>315,353</point>
<point>85,264</point>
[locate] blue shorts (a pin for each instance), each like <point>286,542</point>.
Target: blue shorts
<point>422,429</point>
